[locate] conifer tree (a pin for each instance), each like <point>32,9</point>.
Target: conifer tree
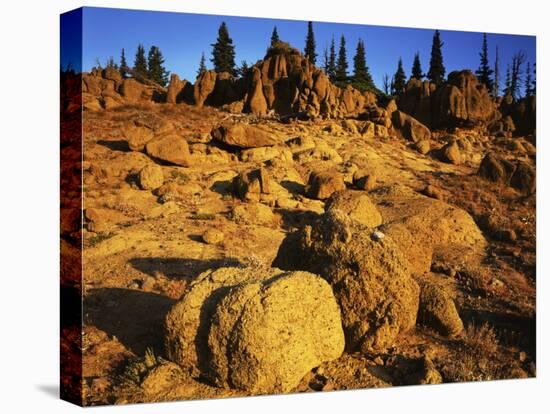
<point>507,82</point>
<point>515,75</point>
<point>202,65</point>
<point>484,71</point>
<point>436,73</point>
<point>399,79</point>
<point>309,50</point>
<point>416,71</point>
<point>123,68</point>
<point>223,51</point>
<point>325,60</point>
<point>243,70</point>
<point>274,36</point>
<point>341,71</point>
<point>155,67</point>
<point>140,63</point>
<point>111,63</point>
<point>386,83</point>
<point>496,86</point>
<point>331,69</point>
<point>362,78</point>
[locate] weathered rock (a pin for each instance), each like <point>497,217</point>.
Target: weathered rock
<point>243,135</point>
<point>524,178</point>
<point>249,185</point>
<point>451,153</point>
<point>364,180</point>
<point>496,169</point>
<point>212,236</point>
<point>322,184</point>
<point>256,102</point>
<point>255,329</point>
<point>137,136</point>
<point>204,86</point>
<point>132,90</point>
<point>438,310</point>
<point>170,148</point>
<point>253,213</point>
<point>409,127</point>
<point>356,205</point>
<point>423,146</point>
<point>151,177</point>
<point>370,278</point>
<point>178,90</point>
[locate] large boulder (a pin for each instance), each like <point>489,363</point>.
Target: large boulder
<point>357,205</point>
<point>496,169</point>
<point>255,329</point>
<point>178,90</point>
<point>249,185</point>
<point>438,311</point>
<point>409,127</point>
<point>151,177</point>
<point>256,102</point>
<point>137,136</point>
<point>322,184</point>
<point>132,90</point>
<point>204,86</point>
<point>170,148</point>
<point>242,135</point>
<point>370,277</point>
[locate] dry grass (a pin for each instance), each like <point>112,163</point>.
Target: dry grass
<point>481,339</point>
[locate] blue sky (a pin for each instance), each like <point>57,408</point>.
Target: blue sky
<point>182,37</point>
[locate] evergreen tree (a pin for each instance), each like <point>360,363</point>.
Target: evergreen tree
<point>111,63</point>
<point>309,50</point>
<point>331,69</point>
<point>534,78</point>
<point>242,71</point>
<point>123,65</point>
<point>362,78</point>
<point>484,71</point>
<point>437,71</point>
<point>140,63</point>
<point>223,51</point>
<point>325,60</point>
<point>341,71</point>
<point>496,82</point>
<point>202,66</point>
<point>274,36</point>
<point>155,67</point>
<point>528,81</point>
<point>399,79</point>
<point>416,71</point>
<point>515,76</point>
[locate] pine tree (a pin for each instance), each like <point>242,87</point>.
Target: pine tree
<point>399,79</point>
<point>362,78</point>
<point>534,78</point>
<point>437,71</point>
<point>325,60</point>
<point>223,51</point>
<point>528,81</point>
<point>496,82</point>
<point>140,63</point>
<point>515,76</point>
<point>155,67</point>
<point>274,36</point>
<point>202,66</point>
<point>416,71</point>
<point>309,50</point>
<point>331,69</point>
<point>341,71</point>
<point>243,70</point>
<point>484,71</point>
<point>123,68</point>
<point>111,63</point>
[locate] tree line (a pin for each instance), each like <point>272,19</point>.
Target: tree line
<point>519,73</point>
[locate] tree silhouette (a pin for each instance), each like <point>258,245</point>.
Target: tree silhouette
<point>341,72</point>
<point>496,82</point>
<point>123,68</point>
<point>437,71</point>
<point>484,71</point>
<point>399,79</point>
<point>274,36</point>
<point>140,63</point>
<point>155,67</point>
<point>416,71</point>
<point>309,50</point>
<point>515,76</point>
<point>331,69</point>
<point>223,51</point>
<point>202,65</point>
<point>528,81</point>
<point>362,78</point>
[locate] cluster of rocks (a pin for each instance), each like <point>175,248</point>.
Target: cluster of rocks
<point>518,174</point>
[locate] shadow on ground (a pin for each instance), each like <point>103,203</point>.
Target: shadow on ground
<point>179,269</point>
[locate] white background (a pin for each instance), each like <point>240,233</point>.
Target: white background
<point>29,194</point>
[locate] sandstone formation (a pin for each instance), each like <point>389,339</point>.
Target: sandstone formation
<point>259,330</point>
<point>438,311</point>
<point>169,148</point>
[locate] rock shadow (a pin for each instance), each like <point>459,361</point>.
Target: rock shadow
<point>118,145</point>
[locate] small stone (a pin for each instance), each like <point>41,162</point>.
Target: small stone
<point>151,177</point>
<point>212,236</point>
<point>377,235</point>
<point>148,284</point>
<point>522,356</point>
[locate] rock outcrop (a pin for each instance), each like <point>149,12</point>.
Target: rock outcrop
<point>370,277</point>
<point>259,330</point>
<point>519,174</point>
<point>242,135</point>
